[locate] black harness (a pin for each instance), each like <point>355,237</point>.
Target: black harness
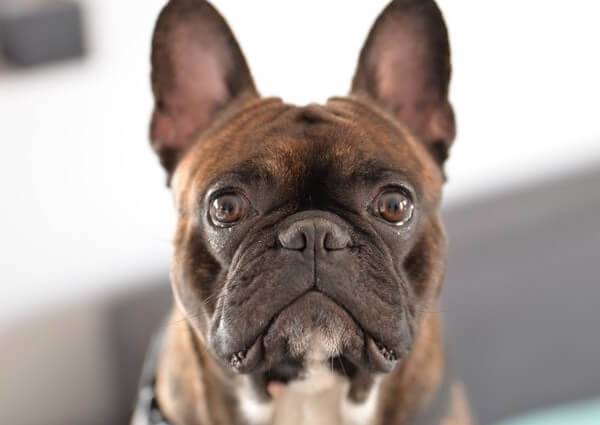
<point>148,411</point>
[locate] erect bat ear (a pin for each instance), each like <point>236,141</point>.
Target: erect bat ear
<point>405,67</point>
<point>197,69</point>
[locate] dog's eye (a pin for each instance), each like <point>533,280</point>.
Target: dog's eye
<point>227,210</point>
<point>393,206</point>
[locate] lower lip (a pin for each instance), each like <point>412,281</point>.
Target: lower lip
<point>382,359</point>
<point>246,361</point>
<point>275,388</point>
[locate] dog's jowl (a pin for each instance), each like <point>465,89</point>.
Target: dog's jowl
<point>309,251</point>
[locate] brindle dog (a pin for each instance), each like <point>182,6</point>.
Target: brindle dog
<point>309,251</point>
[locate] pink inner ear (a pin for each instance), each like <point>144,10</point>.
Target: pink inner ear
<point>403,75</point>
<point>198,88</point>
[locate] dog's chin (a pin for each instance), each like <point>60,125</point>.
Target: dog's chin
<point>312,334</point>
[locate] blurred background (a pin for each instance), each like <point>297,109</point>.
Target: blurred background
<point>86,220</point>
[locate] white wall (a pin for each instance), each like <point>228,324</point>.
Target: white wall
<point>85,210</point>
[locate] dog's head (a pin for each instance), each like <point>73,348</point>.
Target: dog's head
<point>304,232</point>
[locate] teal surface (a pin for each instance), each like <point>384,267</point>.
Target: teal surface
<point>584,413</point>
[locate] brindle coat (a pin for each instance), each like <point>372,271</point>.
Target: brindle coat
<point>211,130</point>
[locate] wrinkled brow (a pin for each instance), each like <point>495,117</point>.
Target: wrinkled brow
<point>373,171</point>
<point>249,171</point>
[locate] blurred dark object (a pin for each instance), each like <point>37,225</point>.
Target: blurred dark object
<point>38,32</point>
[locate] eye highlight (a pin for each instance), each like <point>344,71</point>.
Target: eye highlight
<point>227,210</point>
<point>393,206</point>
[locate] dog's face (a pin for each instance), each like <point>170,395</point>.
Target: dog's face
<point>305,233</point>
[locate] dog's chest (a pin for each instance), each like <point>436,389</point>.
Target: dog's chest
<point>294,407</point>
<point>320,398</point>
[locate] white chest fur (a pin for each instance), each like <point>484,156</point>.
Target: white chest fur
<point>321,398</point>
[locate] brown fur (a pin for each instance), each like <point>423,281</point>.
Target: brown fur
<point>209,119</point>
<point>190,381</point>
<point>191,389</point>
<point>404,391</point>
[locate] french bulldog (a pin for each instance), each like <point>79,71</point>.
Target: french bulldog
<point>309,251</point>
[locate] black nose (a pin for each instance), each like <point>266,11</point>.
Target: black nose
<point>317,234</point>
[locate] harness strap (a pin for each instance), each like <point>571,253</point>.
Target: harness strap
<point>147,409</point>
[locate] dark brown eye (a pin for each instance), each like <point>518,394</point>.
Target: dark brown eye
<point>394,207</point>
<point>228,210</point>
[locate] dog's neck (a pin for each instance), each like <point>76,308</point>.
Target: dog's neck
<point>303,401</point>
<point>320,393</point>
<point>192,389</point>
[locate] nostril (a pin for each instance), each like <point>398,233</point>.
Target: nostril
<point>294,240</point>
<point>336,239</point>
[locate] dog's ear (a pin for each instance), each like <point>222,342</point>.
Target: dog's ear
<point>405,66</point>
<point>197,69</point>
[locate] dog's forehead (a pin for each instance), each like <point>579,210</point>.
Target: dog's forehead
<point>291,143</point>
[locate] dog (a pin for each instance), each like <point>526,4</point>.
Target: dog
<point>309,250</point>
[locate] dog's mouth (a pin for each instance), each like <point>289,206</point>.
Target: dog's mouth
<point>383,359</point>
<point>271,354</point>
<point>275,379</point>
<point>247,360</point>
